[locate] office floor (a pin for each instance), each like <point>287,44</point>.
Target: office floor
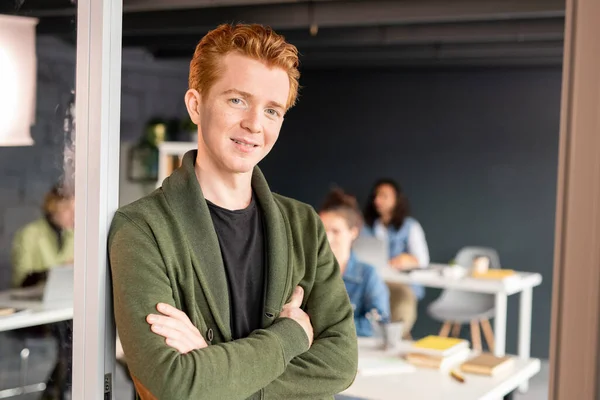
<point>43,354</point>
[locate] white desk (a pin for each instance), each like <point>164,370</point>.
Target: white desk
<point>522,282</point>
<point>432,384</point>
<point>38,313</point>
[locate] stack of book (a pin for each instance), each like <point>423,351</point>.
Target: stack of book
<point>438,352</point>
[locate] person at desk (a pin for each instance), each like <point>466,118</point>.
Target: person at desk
<point>45,243</point>
<point>40,245</point>
<point>367,291</point>
<point>387,217</point>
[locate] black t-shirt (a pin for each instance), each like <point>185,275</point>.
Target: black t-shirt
<point>241,238</point>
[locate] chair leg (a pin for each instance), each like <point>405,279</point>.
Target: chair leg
<point>476,335</point>
<point>23,373</point>
<point>456,329</point>
<point>445,329</point>
<point>488,333</point>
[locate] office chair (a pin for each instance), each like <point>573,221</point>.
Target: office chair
<point>456,307</point>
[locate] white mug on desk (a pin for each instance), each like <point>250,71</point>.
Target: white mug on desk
<point>389,334</point>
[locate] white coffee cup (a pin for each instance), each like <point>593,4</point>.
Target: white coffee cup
<point>389,334</point>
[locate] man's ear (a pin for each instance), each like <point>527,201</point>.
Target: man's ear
<point>192,103</point>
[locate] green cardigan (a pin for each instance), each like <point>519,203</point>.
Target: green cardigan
<point>163,248</point>
<point>35,249</point>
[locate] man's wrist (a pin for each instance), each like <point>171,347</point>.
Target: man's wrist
<point>292,337</point>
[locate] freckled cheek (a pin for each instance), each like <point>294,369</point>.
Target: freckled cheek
<point>229,122</point>
<point>272,134</point>
<point>270,139</point>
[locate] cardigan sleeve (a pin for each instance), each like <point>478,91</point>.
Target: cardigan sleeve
<point>330,365</point>
<point>233,370</point>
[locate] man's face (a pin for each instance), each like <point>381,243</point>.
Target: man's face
<point>239,119</point>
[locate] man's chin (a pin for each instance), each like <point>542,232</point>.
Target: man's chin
<point>242,169</point>
<point>242,166</point>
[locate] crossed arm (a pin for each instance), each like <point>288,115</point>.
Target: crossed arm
<point>179,332</point>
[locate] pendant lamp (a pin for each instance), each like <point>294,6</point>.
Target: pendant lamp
<point>18,75</point>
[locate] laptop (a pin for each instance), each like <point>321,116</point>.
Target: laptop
<point>58,287</point>
<point>371,250</point>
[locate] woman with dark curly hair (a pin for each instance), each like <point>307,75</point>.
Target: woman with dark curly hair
<point>387,216</point>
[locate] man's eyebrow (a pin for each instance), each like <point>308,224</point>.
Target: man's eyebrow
<point>240,92</point>
<point>250,96</point>
<point>276,104</point>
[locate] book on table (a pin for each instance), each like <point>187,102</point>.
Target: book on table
<point>7,311</point>
<point>439,346</point>
<point>4,311</point>
<point>487,364</point>
<point>438,352</point>
<point>438,362</point>
<point>495,274</point>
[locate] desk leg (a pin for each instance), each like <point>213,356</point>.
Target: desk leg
<point>500,325</point>
<point>525,304</point>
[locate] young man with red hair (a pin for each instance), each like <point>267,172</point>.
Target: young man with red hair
<point>223,289</point>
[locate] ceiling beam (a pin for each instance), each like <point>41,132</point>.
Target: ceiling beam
<point>65,8</point>
<point>320,64</point>
<point>472,55</point>
<point>449,51</point>
<point>419,54</point>
<point>330,14</point>
<point>156,5</point>
<point>476,32</point>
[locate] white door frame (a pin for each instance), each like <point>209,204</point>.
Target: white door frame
<point>98,104</point>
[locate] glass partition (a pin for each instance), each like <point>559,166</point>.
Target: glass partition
<point>37,199</point>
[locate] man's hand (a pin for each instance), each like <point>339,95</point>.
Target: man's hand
<point>176,328</point>
<point>404,261</point>
<point>292,310</point>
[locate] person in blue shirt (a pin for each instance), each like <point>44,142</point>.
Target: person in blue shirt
<point>368,293</point>
<point>387,217</point>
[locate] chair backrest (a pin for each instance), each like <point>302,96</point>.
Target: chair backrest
<point>371,250</point>
<point>466,300</point>
<point>466,255</point>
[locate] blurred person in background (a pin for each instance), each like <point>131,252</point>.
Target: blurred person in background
<point>43,244</point>
<point>46,242</point>
<point>367,291</point>
<point>387,217</point>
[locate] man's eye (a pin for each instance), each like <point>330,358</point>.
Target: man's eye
<point>273,112</point>
<point>235,101</point>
